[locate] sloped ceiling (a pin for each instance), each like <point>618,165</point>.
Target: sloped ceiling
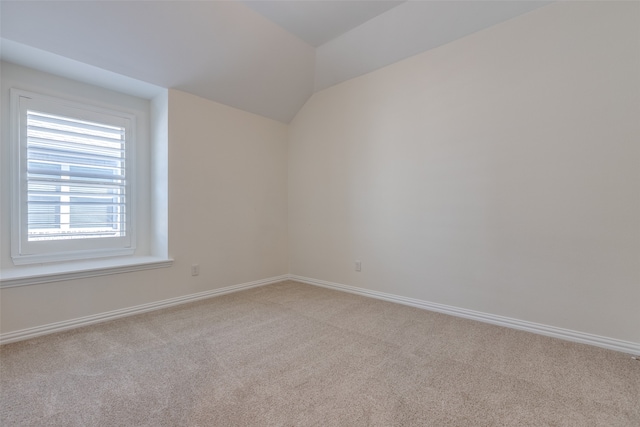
<point>218,50</point>
<point>235,53</point>
<point>317,22</point>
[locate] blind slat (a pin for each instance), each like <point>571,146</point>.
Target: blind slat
<point>42,203</point>
<point>71,175</point>
<point>34,116</point>
<point>78,162</point>
<point>35,225</point>
<point>76,178</point>
<point>75,234</point>
<point>49,151</point>
<point>74,194</point>
<point>48,144</point>
<point>76,183</point>
<point>66,135</point>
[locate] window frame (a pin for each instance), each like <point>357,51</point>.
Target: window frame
<point>25,252</point>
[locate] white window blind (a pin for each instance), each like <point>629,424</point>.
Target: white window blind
<point>72,176</point>
<point>76,178</point>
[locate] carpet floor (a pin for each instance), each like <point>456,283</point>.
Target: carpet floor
<point>291,354</point>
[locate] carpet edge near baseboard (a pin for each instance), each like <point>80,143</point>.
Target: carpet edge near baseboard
<point>78,322</point>
<point>537,328</point>
<point>523,325</point>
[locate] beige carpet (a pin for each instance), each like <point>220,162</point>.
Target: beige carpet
<point>291,354</point>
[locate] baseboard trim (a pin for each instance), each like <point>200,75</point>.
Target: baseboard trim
<point>537,328</point>
<point>51,328</point>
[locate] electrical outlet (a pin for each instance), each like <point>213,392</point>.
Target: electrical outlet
<point>358,266</point>
<point>195,269</point>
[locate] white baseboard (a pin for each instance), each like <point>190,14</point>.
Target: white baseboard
<point>51,328</point>
<point>537,328</point>
<point>552,331</point>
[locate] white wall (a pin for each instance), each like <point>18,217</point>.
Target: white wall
<point>227,212</point>
<point>227,192</point>
<point>498,173</point>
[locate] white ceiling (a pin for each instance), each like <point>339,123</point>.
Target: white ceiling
<point>315,21</point>
<point>406,30</point>
<point>257,56</point>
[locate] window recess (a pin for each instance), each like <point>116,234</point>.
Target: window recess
<point>73,186</point>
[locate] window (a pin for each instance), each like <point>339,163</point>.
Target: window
<point>72,190</point>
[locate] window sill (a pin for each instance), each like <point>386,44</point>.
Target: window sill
<point>34,275</point>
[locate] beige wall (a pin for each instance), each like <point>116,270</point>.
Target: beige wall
<point>227,212</point>
<point>228,193</point>
<point>498,173</point>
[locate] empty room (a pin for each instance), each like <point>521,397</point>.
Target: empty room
<point>319,213</point>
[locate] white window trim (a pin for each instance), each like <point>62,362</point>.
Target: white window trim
<point>19,252</point>
<point>110,91</point>
<point>79,270</point>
